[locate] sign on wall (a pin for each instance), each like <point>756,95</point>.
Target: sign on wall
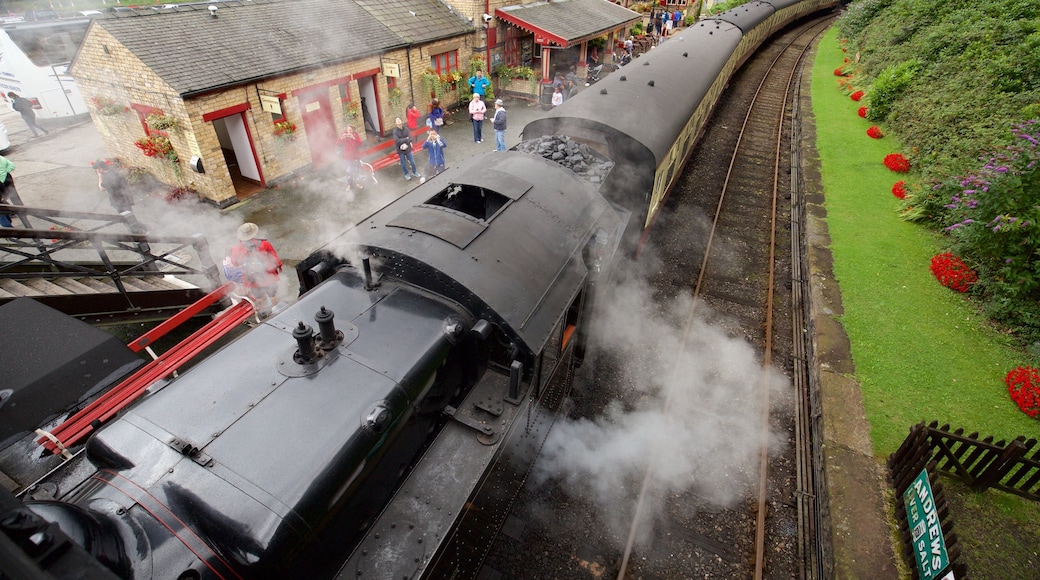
<point>271,104</point>
<point>391,69</point>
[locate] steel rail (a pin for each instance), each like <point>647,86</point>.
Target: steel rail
<point>688,322</point>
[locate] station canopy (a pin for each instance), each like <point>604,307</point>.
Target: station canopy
<point>567,22</point>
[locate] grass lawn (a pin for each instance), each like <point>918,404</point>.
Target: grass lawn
<point>921,351</point>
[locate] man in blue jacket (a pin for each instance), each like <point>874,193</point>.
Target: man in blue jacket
<point>479,84</point>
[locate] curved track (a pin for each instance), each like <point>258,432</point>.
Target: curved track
<point>728,239</point>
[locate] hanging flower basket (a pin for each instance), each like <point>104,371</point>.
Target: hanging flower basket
<point>285,131</point>
<point>160,122</point>
<point>1024,387</point>
<point>899,189</point>
<point>157,146</point>
<point>897,162</point>
<point>874,132</point>
<point>352,110</point>
<point>856,96</point>
<point>107,107</point>
<point>953,273</point>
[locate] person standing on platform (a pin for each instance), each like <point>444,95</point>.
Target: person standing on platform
<point>25,108</point>
<point>6,189</point>
<point>434,146</point>
<point>114,183</point>
<point>477,109</point>
<point>479,84</point>
<point>350,147</point>
<point>403,141</point>
<point>436,115</point>
<point>498,123</point>
<point>260,267</point>
<point>412,113</point>
<point>557,97</point>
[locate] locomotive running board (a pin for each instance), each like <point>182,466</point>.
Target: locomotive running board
<point>452,504</point>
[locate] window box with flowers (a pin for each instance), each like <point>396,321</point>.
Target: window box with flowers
<point>285,131</point>
<point>440,84</point>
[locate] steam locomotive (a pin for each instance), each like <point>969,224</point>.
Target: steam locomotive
<point>388,441</point>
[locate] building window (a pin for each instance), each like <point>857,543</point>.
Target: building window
<point>445,62</point>
<point>142,115</point>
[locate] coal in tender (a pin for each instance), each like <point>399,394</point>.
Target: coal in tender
<point>578,157</point>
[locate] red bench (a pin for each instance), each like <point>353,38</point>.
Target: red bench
<point>388,159</point>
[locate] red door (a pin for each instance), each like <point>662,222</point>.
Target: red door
<point>320,128</point>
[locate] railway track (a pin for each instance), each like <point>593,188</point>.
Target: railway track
<point>707,381</point>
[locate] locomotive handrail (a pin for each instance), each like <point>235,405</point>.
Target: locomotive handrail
<point>81,424</point>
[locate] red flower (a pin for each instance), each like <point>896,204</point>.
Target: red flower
<point>862,112</point>
<point>953,273</point>
<point>838,72</point>
<point>1024,387</point>
<point>846,59</point>
<point>896,162</point>
<point>856,96</point>
<point>874,132</point>
<point>899,190</point>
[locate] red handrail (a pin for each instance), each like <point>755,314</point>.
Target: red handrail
<point>78,426</point>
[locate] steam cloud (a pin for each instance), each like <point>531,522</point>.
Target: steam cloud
<point>697,426</point>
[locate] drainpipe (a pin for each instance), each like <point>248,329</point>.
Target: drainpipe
<point>487,43</point>
<point>411,80</point>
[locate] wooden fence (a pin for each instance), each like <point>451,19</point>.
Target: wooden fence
<point>983,464</point>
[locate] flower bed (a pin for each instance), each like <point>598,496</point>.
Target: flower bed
<point>1024,387</point>
<point>953,273</point>
<point>899,189</point>
<point>897,162</point>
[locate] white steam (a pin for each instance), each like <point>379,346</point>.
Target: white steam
<point>694,418</point>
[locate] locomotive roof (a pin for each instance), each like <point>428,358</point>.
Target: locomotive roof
<point>681,69</point>
<point>523,261</point>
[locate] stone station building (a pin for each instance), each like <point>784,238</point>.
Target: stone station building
<point>225,98</point>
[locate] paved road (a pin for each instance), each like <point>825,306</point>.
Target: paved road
<point>298,214</point>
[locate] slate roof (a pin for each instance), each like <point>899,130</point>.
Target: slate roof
<point>247,41</point>
<point>418,21</point>
<point>566,22</point>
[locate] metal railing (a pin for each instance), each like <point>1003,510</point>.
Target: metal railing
<point>64,250</point>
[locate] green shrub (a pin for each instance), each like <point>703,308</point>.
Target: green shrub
<point>888,86</point>
<point>994,222</point>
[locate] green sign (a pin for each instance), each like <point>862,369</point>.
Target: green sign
<point>923,520</point>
